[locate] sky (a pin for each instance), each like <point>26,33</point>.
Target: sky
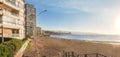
<point>96,16</point>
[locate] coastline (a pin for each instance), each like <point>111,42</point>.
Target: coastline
<point>94,41</point>
<point>95,38</point>
<point>52,47</point>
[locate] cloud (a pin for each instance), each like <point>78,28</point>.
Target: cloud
<point>84,5</point>
<point>94,9</point>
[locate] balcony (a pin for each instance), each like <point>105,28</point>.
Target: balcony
<point>11,26</point>
<point>15,35</point>
<point>11,36</point>
<point>10,14</point>
<point>9,5</point>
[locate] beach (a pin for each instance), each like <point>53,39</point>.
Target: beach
<point>54,47</point>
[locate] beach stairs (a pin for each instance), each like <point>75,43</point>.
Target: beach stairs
<point>73,54</point>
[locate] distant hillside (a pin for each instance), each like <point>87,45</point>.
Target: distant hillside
<point>48,32</point>
<point>56,32</point>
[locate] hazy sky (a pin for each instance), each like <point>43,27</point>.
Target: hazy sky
<point>97,16</point>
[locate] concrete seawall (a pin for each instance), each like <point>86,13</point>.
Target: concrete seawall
<point>22,49</point>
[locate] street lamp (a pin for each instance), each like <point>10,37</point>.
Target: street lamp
<point>42,12</point>
<point>36,36</point>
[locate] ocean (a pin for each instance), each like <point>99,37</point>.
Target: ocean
<point>107,38</point>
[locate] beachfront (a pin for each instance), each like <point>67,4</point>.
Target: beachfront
<point>54,47</point>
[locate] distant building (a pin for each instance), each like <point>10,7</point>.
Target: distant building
<point>39,31</point>
<point>30,20</point>
<point>12,19</point>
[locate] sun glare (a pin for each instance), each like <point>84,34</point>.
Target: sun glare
<point>117,24</point>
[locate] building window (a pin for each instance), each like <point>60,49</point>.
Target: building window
<point>15,31</point>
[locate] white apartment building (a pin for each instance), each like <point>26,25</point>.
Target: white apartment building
<point>12,19</point>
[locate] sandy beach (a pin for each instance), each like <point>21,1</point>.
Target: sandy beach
<point>53,47</point>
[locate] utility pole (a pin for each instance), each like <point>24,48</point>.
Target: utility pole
<point>2,28</point>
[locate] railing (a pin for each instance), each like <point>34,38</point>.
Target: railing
<point>7,35</point>
<point>15,35</point>
<point>11,21</point>
<point>12,2</point>
<point>73,54</point>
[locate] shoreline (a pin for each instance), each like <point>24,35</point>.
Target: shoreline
<point>94,41</point>
<point>96,38</point>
